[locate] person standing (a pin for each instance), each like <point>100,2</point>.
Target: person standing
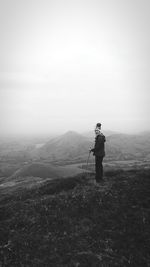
<point>99,152</point>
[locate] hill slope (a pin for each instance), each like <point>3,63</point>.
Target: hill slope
<point>43,170</point>
<point>73,222</point>
<point>68,146</point>
<point>124,146</point>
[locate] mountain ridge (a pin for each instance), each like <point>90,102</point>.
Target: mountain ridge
<point>68,146</point>
<point>73,146</point>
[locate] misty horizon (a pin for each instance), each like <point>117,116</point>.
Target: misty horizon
<point>68,65</point>
<point>50,135</point>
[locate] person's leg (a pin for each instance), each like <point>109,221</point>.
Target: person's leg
<point>101,168</point>
<point>98,168</point>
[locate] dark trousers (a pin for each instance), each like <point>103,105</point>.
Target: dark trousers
<point>98,168</point>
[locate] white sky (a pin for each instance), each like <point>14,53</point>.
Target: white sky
<point>66,65</point>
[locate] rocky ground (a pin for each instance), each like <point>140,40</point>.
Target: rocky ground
<point>73,222</point>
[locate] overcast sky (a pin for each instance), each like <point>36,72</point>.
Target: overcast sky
<point>65,65</point>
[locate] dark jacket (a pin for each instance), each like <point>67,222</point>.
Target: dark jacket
<point>99,148</point>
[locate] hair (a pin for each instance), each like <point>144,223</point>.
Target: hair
<point>98,125</point>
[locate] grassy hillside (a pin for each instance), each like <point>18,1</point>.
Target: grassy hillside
<point>73,222</point>
<point>43,170</point>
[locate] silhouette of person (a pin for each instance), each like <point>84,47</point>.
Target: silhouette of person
<point>99,152</point>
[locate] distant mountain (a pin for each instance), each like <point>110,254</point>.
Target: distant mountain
<point>68,146</point>
<point>75,147</point>
<point>126,146</point>
<point>146,133</point>
<point>91,134</point>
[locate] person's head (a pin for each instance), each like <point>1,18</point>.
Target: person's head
<point>97,131</point>
<point>98,128</point>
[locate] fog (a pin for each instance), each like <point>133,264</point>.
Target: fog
<point>66,65</point>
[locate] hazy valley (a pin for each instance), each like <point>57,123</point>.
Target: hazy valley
<point>67,154</point>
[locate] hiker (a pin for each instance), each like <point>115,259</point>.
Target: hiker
<point>99,152</point>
